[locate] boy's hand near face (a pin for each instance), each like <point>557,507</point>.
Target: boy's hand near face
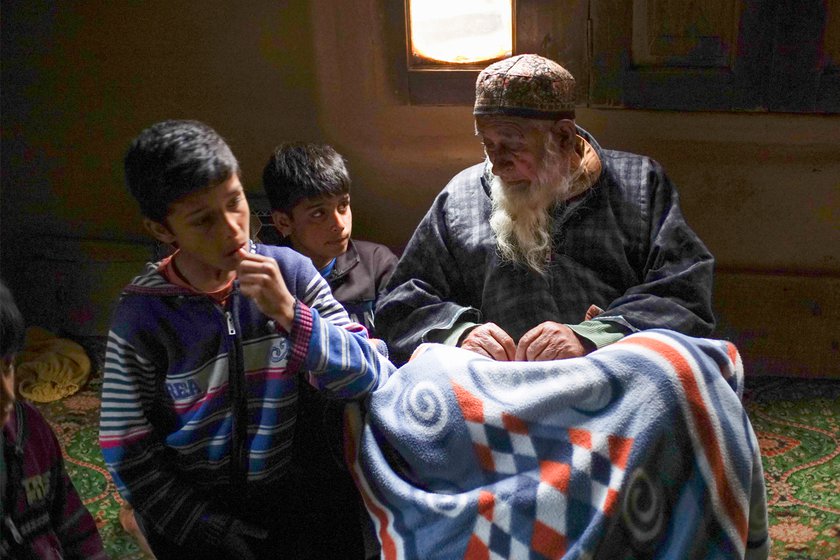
<point>260,280</point>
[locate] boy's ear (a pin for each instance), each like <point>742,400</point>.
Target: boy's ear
<point>282,221</point>
<point>159,231</point>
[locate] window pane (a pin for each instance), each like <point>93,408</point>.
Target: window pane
<point>460,31</point>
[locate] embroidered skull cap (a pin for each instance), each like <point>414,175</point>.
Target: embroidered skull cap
<point>525,85</point>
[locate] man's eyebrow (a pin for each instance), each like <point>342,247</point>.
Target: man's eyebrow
<point>505,132</point>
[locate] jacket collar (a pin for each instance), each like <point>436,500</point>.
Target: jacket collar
<point>346,262</point>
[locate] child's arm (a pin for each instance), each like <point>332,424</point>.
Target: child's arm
<point>339,360</point>
<point>76,527</point>
<point>336,353</point>
<point>72,522</point>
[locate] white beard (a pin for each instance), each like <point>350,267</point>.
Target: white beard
<point>520,216</point>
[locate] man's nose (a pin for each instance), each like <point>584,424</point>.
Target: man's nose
<point>501,165</point>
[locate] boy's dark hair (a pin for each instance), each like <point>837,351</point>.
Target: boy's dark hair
<point>12,327</point>
<point>174,158</point>
<point>299,170</point>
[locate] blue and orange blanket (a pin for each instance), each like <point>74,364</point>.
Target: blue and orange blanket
<point>640,450</point>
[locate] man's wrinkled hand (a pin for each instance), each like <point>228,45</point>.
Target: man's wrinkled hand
<point>492,341</point>
<point>549,341</point>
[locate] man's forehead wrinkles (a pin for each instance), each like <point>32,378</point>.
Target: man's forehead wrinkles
<point>502,132</point>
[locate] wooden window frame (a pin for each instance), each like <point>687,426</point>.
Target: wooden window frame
<point>534,24</point>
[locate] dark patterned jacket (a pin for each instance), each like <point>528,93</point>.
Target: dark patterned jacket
<point>42,514</point>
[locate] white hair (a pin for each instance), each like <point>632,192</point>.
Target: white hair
<point>520,216</point>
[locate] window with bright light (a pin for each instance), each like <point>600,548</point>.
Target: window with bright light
<point>459,32</point>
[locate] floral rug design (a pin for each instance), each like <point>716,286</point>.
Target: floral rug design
<point>75,421</point>
<point>797,422</point>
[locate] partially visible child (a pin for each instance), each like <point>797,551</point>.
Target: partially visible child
<point>209,355</point>
<point>41,514</point>
<point>308,187</point>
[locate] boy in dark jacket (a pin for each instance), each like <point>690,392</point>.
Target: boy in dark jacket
<point>209,355</point>
<point>41,514</point>
<point>308,187</point>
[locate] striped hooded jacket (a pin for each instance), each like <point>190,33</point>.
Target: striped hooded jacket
<point>199,402</point>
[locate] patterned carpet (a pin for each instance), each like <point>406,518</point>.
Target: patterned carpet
<point>796,421</point>
<point>75,420</point>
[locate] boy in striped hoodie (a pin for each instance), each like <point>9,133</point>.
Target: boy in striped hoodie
<point>208,357</point>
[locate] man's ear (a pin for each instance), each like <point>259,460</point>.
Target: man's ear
<point>159,231</point>
<point>565,132</point>
<point>282,221</point>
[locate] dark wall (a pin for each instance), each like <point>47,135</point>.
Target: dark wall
<point>80,79</point>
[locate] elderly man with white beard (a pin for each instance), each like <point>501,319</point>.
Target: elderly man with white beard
<point>553,246</point>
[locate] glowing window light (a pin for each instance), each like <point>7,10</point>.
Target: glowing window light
<point>461,31</point>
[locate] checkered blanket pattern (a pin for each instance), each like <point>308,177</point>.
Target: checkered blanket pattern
<point>463,457</point>
<point>503,446</point>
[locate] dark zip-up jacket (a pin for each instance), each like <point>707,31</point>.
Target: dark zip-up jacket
<point>359,277</point>
<point>42,515</point>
